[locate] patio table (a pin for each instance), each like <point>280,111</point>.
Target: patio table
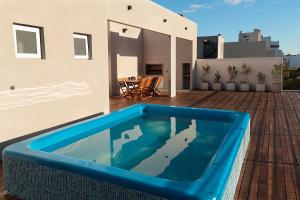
<point>133,81</point>
<point>133,85</point>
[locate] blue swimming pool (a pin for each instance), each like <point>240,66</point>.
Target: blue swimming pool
<point>141,152</point>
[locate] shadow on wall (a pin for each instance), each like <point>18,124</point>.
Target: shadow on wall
<point>126,58</point>
<point>29,96</point>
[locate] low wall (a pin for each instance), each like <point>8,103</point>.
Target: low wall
<point>258,64</point>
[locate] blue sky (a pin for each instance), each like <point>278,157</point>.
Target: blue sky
<point>277,18</point>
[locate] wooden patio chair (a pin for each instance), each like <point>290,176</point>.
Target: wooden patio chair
<point>145,87</point>
<point>123,87</point>
<point>149,85</point>
<point>155,90</point>
<point>152,86</point>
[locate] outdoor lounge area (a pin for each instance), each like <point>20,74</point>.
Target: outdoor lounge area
<point>271,168</point>
<point>139,87</point>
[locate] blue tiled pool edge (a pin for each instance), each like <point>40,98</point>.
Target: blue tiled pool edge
<point>233,179</point>
<point>218,182</point>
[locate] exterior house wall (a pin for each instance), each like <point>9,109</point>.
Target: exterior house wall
<point>48,90</point>
<point>264,65</point>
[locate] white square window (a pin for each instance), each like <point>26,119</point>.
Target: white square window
<point>27,41</point>
<point>81,46</point>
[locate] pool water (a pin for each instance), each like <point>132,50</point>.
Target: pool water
<point>175,147</point>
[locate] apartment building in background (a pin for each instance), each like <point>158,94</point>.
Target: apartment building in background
<point>293,61</point>
<point>252,44</point>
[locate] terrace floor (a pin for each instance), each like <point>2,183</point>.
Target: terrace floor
<point>271,169</point>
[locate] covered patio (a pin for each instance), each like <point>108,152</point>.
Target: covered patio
<point>140,52</point>
<point>271,168</point>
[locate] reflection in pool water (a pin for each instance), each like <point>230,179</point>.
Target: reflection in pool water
<point>174,148</point>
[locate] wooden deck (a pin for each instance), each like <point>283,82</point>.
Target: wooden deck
<point>271,168</point>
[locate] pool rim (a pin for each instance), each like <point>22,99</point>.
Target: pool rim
<point>218,170</point>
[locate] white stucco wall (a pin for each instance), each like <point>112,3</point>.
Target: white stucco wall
<point>59,88</point>
<point>264,65</point>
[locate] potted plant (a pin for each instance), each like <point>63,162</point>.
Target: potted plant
<point>277,73</point>
<point>261,86</point>
<point>217,86</point>
<point>232,71</point>
<point>205,72</point>
<point>246,70</point>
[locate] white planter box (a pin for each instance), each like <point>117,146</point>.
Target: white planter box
<point>245,87</point>
<point>276,87</point>
<point>204,86</point>
<point>260,87</point>
<point>230,86</point>
<point>217,86</point>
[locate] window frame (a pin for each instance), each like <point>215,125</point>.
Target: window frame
<point>37,32</point>
<point>87,50</point>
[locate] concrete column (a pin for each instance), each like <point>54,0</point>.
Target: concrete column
<point>172,73</point>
